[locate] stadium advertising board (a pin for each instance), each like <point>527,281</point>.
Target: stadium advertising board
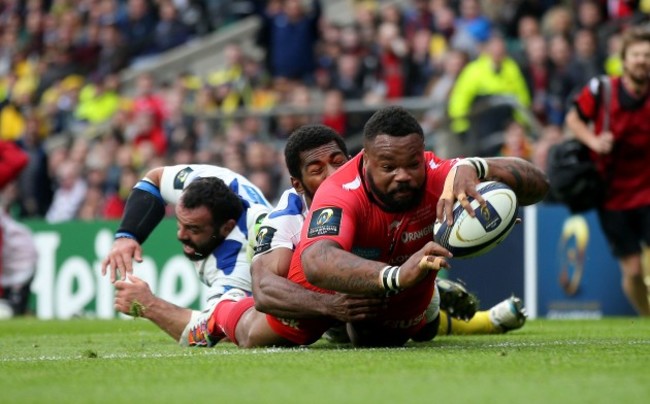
<point>68,281</point>
<point>575,276</point>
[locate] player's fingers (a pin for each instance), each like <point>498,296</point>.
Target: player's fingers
<point>433,248</point>
<point>433,263</point>
<point>138,255</point>
<point>105,263</point>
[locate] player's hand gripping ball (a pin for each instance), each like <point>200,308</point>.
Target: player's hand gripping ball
<point>472,236</point>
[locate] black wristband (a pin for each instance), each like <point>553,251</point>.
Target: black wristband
<point>142,213</point>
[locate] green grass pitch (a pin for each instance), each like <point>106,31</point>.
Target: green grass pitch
<point>131,361</point>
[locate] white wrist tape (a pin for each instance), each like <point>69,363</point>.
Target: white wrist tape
<point>479,164</point>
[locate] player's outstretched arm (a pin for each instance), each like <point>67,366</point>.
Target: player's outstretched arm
<point>528,181</point>
<point>275,294</point>
<point>134,298</point>
<point>328,266</point>
<point>144,209</point>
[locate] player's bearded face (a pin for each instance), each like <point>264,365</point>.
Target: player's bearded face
<point>399,197</point>
<point>198,249</point>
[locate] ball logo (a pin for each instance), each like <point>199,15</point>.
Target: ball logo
<point>485,212</point>
<point>324,217</point>
<point>489,218</point>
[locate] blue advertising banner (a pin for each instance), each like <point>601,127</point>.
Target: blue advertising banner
<point>576,275</point>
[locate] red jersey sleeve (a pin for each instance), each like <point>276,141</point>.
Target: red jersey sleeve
<point>333,217</point>
<point>586,102</point>
<point>12,161</point>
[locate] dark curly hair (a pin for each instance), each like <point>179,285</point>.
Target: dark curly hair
<point>309,137</point>
<point>392,121</point>
<point>215,195</point>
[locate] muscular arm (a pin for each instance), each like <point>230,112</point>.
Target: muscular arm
<point>328,266</point>
<point>529,183</point>
<point>275,294</point>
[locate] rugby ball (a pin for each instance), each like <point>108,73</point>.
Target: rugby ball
<point>473,236</point>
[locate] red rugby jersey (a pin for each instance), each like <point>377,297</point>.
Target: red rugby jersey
<point>342,211</point>
<point>626,169</point>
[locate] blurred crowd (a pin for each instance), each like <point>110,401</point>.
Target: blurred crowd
<point>89,139</point>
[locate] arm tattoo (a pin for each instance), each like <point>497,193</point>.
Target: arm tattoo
<point>342,271</point>
<point>527,181</point>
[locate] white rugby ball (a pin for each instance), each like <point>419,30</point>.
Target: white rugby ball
<point>472,236</point>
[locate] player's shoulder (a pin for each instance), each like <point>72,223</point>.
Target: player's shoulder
<point>181,175</point>
<point>291,203</point>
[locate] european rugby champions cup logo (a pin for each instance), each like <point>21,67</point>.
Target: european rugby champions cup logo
<point>488,217</point>
<point>324,217</point>
<point>261,234</point>
<point>181,177</point>
<point>264,239</point>
<point>572,248</point>
<point>325,222</point>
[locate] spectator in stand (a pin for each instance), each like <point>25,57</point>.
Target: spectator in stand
<point>389,54</point>
<point>472,27</point>
<point>417,17</point>
<point>537,71</point>
<point>114,52</point>
<point>138,26</point>
<point>516,142</point>
<point>454,62</point>
<point>116,200</point>
<point>149,114</point>
<point>420,67</point>
<point>527,29</point>
<point>613,64</point>
<point>494,73</point>
<point>291,33</point>
<point>558,20</point>
<point>561,82</point>
<point>170,31</point>
<point>98,101</point>
<point>334,114</point>
<point>348,77</point>
<point>587,62</point>
<point>69,194</point>
<point>34,183</point>
<point>551,135</point>
<point>589,16</point>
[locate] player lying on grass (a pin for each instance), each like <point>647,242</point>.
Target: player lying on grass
<point>216,211</point>
<point>354,239</point>
<point>312,153</point>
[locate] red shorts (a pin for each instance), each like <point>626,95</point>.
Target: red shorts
<point>304,331</point>
<point>404,317</point>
